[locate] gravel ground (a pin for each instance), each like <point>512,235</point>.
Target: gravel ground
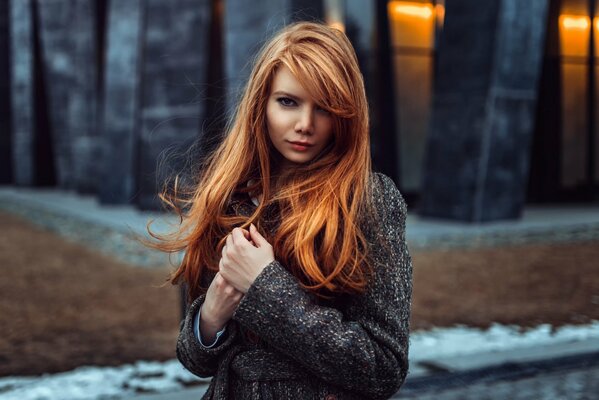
<point>564,234</point>
<point>108,241</point>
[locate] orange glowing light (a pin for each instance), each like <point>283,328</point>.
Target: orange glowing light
<point>575,22</point>
<point>419,10</point>
<point>574,31</point>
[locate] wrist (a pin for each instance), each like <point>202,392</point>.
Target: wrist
<point>206,320</point>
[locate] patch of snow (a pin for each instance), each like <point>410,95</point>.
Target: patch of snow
<point>94,383</point>
<point>100,383</point>
<point>462,340</point>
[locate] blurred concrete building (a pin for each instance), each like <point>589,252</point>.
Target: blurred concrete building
<point>478,108</point>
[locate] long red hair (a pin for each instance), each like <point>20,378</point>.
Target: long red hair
<point>323,202</point>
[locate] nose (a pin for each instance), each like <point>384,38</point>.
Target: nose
<point>305,122</point>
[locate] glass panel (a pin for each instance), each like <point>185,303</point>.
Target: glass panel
<point>596,112</point>
<point>596,117</point>
<point>412,30</point>
<point>574,124</point>
<point>413,95</point>
<point>574,31</point>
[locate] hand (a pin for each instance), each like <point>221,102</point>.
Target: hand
<point>242,260</point>
<point>221,302</point>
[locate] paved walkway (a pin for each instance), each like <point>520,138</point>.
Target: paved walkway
<point>553,224</point>
<point>539,224</point>
<point>80,218</point>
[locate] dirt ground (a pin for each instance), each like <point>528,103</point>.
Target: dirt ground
<point>522,285</point>
<point>63,305</point>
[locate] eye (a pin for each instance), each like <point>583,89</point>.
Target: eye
<point>323,111</point>
<point>286,101</point>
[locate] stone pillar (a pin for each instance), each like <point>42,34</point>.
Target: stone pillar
<point>54,16</point>
<point>21,66</point>
<point>6,174</point>
<point>478,156</point>
<point>246,30</point>
<point>121,101</point>
<point>171,104</point>
<point>68,54</point>
<point>83,101</point>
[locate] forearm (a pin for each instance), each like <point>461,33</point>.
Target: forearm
<point>200,360</point>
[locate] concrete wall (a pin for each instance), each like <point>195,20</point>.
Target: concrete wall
<point>116,120</point>
<point>120,103</point>
<point>172,77</point>
<point>6,174</point>
<point>69,59</point>
<point>21,91</point>
<point>121,133</point>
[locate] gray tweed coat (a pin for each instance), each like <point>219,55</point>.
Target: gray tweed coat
<point>285,343</point>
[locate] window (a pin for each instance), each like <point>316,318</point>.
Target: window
<point>413,28</point>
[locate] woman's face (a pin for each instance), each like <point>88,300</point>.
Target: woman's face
<point>298,128</point>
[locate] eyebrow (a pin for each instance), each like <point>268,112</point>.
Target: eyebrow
<point>283,93</point>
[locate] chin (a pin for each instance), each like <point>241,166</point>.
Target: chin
<point>298,160</point>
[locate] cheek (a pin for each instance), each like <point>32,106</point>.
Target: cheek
<point>275,122</point>
<point>326,128</point>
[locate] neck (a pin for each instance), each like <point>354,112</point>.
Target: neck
<point>281,172</point>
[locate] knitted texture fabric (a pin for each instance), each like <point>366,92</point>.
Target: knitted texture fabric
<point>282,343</point>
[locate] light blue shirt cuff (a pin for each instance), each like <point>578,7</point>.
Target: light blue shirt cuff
<point>196,330</point>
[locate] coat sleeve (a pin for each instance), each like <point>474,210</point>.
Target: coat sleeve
<point>365,348</point>
<point>199,360</point>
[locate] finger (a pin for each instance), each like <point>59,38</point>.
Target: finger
<point>246,233</point>
<point>230,242</point>
<point>238,237</point>
<point>248,236</point>
<point>223,251</point>
<point>256,236</point>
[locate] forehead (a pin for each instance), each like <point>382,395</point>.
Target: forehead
<point>285,81</point>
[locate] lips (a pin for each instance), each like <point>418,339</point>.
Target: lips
<point>306,144</point>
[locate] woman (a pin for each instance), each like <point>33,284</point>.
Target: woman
<point>298,273</point>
